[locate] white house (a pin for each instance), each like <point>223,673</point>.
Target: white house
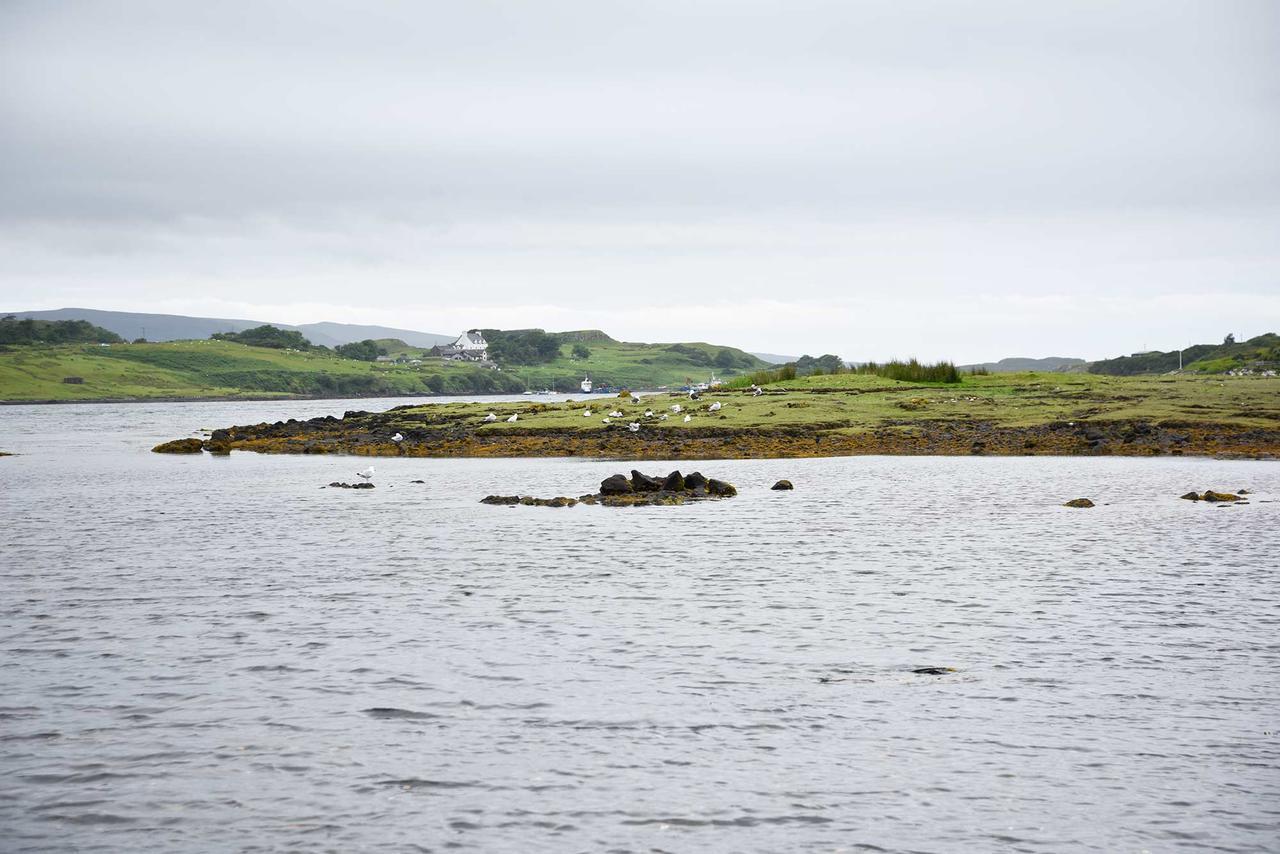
<point>470,346</point>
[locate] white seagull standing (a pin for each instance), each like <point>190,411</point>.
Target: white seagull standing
<point>397,438</point>
<point>514,418</point>
<point>367,474</point>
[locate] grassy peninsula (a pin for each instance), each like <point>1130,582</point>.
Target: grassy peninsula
<point>230,369</point>
<point>844,414</point>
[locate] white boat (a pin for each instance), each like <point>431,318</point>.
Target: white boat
<point>586,385</point>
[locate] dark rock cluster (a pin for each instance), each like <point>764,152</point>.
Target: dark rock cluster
<point>638,490</point>
<point>1211,496</point>
<point>340,485</point>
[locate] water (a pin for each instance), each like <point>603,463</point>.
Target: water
<point>213,654</point>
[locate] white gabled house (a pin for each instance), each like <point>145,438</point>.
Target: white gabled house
<point>470,346</point>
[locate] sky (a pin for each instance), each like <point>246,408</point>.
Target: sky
<point>964,180</point>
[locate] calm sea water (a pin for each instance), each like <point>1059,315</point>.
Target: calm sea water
<point>214,654</point>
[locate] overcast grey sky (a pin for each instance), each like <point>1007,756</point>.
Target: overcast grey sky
<point>942,179</point>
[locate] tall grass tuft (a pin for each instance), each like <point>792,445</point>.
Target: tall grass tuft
<point>912,371</point>
<point>777,375</point>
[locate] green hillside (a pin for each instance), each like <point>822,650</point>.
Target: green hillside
<point>631,365</point>
<point>228,369</point>
<point>218,369</point>
<point>1258,354</point>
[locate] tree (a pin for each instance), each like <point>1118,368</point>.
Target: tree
<point>1229,340</point>
<point>363,351</point>
<point>581,351</point>
<point>435,382</point>
<point>725,359</point>
<point>267,336</point>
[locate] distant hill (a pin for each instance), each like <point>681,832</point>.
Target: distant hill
<point>774,358</point>
<point>1259,353</point>
<point>1017,365</point>
<point>345,333</point>
<point>177,327</point>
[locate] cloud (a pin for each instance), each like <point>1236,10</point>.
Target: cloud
<point>609,165</point>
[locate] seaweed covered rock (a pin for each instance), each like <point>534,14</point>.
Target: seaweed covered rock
<point>337,484</point>
<point>673,482</point>
<point>1078,502</point>
<point>720,488</point>
<point>1212,496</point>
<point>179,446</point>
<point>782,484</point>
<point>500,499</point>
<point>694,480</point>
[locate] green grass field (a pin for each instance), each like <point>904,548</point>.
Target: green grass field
<point>856,402</point>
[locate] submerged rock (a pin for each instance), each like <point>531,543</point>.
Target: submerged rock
<point>1079,502</point>
<point>337,484</point>
<point>782,484</point>
<point>179,446</point>
<point>934,671</point>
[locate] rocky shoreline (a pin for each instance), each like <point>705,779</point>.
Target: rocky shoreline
<point>463,435</point>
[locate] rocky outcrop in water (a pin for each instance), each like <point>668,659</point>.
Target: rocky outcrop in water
<point>1212,497</point>
<point>1079,502</point>
<point>180,446</point>
<point>782,485</point>
<point>636,491</point>
<point>340,485</point>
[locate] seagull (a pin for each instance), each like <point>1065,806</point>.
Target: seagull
<point>664,417</point>
<point>715,407</point>
<point>490,418</point>
<point>688,418</point>
<point>605,420</point>
<point>587,414</point>
<point>367,474</point>
<point>514,418</point>
<point>676,407</point>
<point>615,414</point>
<point>635,398</point>
<point>756,391</point>
<point>648,413</point>
<point>634,427</point>
<point>397,438</point>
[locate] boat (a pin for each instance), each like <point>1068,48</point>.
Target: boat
<point>586,385</point>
